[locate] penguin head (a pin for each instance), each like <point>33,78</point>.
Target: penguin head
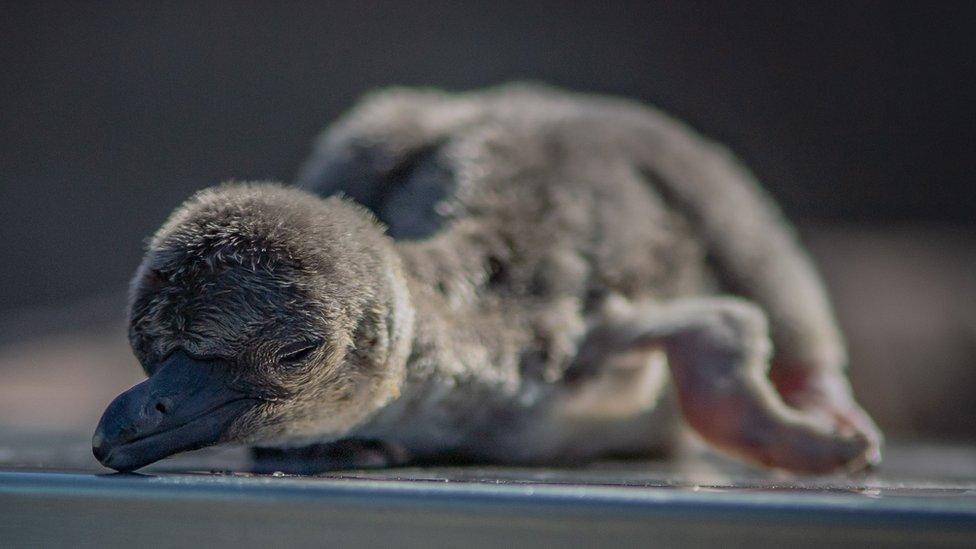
<point>261,315</point>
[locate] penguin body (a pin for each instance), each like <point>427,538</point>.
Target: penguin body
<point>552,262</point>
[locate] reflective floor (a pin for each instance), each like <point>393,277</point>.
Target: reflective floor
<point>52,492</point>
<point>909,470</point>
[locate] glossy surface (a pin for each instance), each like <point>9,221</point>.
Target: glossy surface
<point>53,493</point>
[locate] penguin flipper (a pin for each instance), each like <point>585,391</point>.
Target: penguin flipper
<point>384,155</point>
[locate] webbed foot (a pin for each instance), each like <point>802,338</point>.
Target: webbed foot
<point>718,353</point>
<point>334,456</point>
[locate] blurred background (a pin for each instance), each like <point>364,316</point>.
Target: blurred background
<point>857,116</point>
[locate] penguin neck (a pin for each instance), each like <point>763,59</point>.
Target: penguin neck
<point>449,345</point>
<point>452,336</point>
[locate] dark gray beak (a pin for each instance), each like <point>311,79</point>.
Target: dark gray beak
<point>187,404</point>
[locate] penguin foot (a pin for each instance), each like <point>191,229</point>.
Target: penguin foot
<point>718,353</point>
<point>322,458</point>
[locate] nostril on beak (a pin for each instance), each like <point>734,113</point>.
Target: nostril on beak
<point>163,405</point>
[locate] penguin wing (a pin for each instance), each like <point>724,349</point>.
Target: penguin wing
<point>384,155</point>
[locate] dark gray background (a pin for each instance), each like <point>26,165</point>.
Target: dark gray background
<point>112,113</point>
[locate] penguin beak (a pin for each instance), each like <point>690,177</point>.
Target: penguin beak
<point>187,404</point>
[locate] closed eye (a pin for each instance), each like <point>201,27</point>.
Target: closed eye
<point>295,353</point>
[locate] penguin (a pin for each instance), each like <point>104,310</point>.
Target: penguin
<point>516,275</point>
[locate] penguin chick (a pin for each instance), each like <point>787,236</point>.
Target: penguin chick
<point>554,257</point>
